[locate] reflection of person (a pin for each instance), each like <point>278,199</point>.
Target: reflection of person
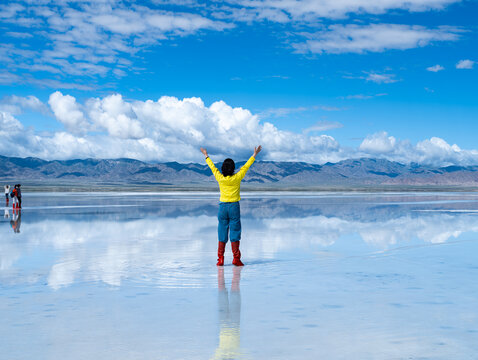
<point>229,316</point>
<point>7,194</point>
<point>6,214</point>
<point>16,221</point>
<point>229,215</point>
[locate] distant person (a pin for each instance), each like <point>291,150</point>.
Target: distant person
<point>7,194</point>
<point>229,215</point>
<point>19,195</point>
<point>16,221</point>
<point>14,196</point>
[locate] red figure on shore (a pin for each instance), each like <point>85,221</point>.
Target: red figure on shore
<point>15,198</point>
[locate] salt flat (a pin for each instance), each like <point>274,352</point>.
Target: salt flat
<point>327,276</point>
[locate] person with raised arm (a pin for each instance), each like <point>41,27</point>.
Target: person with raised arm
<point>229,216</point>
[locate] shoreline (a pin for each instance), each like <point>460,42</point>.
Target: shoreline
<point>34,187</point>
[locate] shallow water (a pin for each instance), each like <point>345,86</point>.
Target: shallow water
<point>327,276</point>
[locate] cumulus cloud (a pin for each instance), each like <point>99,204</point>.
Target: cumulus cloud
<point>433,151</point>
<point>373,38</point>
<point>9,124</point>
<point>378,143</point>
<point>435,68</point>
<point>116,116</point>
<point>465,64</point>
<point>438,150</point>
<point>68,112</point>
<point>172,129</point>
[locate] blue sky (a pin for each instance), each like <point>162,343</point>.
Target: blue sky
<point>313,81</point>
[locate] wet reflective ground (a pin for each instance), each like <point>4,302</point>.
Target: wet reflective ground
<point>327,276</point>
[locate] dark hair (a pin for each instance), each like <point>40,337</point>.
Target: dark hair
<point>228,167</point>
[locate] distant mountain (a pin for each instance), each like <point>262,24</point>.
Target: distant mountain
<point>353,172</point>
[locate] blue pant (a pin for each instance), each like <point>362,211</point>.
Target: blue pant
<point>229,217</point>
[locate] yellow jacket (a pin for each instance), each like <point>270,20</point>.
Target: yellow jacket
<point>230,186</point>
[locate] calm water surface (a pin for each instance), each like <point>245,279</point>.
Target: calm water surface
<point>327,276</point>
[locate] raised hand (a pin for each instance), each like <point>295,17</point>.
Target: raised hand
<point>257,150</point>
<point>204,151</point>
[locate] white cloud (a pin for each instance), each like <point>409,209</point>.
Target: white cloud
<point>166,129</point>
<point>9,11</point>
<point>116,116</point>
<point>323,125</point>
<point>378,143</point>
<point>281,112</point>
<point>362,96</point>
<point>8,124</point>
<point>352,38</point>
<point>68,112</point>
<point>433,151</point>
<point>15,105</point>
<point>19,35</point>
<point>435,68</point>
<point>183,22</point>
<point>310,10</point>
<point>381,78</point>
<point>437,150</point>
<point>465,64</point>
<point>171,129</point>
<point>92,37</point>
<point>9,78</point>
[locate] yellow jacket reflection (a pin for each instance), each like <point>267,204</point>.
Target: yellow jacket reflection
<point>229,343</point>
<point>229,317</point>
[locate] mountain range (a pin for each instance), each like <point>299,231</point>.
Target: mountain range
<point>274,174</point>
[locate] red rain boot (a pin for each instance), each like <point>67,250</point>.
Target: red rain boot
<point>221,247</point>
<point>237,254</point>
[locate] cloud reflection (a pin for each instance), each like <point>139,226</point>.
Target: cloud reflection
<point>172,250</point>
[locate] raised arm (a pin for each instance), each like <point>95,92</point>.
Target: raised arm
<point>242,172</point>
<point>257,150</point>
<point>213,168</point>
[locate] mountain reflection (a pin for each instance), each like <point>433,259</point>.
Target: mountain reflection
<point>165,242</point>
